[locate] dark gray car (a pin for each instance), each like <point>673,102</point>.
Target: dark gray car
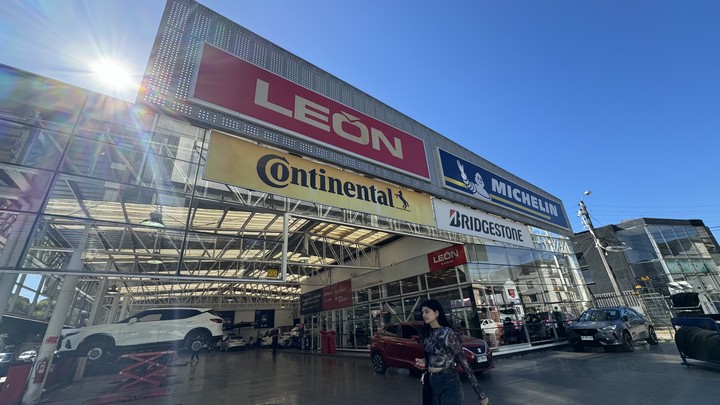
<point>611,327</point>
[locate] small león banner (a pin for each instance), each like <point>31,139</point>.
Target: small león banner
<point>244,164</point>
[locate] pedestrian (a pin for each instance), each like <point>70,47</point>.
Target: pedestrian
<point>195,355</point>
<point>443,349</point>
<point>275,337</point>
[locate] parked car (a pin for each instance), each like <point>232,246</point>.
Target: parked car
<point>285,339</point>
<point>267,338</point>
<point>489,326</point>
<point>232,342</point>
<point>399,344</point>
<point>6,359</point>
<point>611,327</point>
<point>154,328</point>
<point>28,356</point>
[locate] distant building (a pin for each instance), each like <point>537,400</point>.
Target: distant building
<point>651,255</point>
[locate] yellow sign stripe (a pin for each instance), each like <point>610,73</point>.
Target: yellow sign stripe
<point>234,161</point>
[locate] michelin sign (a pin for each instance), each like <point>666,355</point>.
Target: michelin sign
<point>455,218</point>
<point>463,176</point>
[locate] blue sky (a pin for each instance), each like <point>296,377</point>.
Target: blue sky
<point>618,97</point>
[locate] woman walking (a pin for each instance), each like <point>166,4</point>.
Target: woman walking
<point>443,349</point>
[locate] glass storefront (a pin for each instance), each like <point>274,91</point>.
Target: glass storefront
<point>506,296</point>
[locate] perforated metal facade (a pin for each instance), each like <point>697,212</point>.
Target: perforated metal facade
<point>168,84</point>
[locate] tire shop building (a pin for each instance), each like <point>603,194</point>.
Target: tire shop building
<point>247,180</point>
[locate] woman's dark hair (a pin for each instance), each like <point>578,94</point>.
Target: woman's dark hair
<point>442,319</point>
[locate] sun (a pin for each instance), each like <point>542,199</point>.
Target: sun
<point>112,74</point>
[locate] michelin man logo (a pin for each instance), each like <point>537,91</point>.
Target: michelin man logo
<point>478,187</point>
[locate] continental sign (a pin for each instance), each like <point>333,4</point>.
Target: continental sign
<point>463,176</point>
<point>228,83</point>
<point>233,161</point>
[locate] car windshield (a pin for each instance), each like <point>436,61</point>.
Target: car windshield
<point>599,315</point>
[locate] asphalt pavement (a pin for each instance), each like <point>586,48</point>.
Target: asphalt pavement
<point>649,375</point>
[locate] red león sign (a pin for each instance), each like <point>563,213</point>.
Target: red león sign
<point>226,81</point>
<point>445,258</point>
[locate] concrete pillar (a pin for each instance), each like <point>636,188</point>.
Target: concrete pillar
<point>99,299</point>
<point>125,307</point>
<point>112,316</point>
<point>47,348</point>
<point>11,256</point>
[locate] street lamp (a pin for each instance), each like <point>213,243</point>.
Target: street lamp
<point>585,217</point>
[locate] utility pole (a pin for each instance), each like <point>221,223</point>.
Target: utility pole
<point>585,217</point>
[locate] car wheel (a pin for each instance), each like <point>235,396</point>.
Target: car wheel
<point>378,363</point>
<point>627,342</point>
<point>196,339</point>
<point>96,348</point>
<point>652,336</point>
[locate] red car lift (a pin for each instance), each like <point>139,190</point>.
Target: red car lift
<point>142,379</point>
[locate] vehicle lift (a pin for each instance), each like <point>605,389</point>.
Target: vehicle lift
<point>142,379</point>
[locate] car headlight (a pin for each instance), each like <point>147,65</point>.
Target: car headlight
<point>609,327</point>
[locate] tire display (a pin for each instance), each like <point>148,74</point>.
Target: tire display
<point>685,300</point>
<point>698,343</point>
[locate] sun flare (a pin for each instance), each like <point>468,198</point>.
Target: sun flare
<point>112,74</point>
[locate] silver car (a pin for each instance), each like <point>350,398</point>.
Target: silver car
<point>611,327</point>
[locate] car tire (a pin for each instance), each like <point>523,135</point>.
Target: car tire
<point>627,342</point>
<point>96,348</point>
<point>196,339</point>
<point>652,336</point>
<point>378,363</point>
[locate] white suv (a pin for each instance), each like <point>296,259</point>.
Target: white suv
<point>190,327</point>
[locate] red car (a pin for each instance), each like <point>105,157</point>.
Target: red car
<point>399,344</point>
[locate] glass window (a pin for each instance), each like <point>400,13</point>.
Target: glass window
<point>487,254</point>
<point>390,330</point>
<point>150,317</point>
<point>178,314</point>
<point>361,296</point>
<point>520,257</point>
<point>543,259</point>
<point>642,248</point>
<point>659,239</point>
<point>486,273</point>
<point>673,266</point>
<point>441,278</point>
<point>408,331</point>
<point>409,285</point>
<point>393,288</point>
<point>375,293</point>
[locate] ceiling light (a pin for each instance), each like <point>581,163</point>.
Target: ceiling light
<point>112,290</point>
<point>154,260</point>
<point>154,220</point>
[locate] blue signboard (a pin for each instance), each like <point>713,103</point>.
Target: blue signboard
<point>463,176</point>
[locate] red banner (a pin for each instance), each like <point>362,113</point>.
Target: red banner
<point>228,82</point>
<point>445,258</point>
<point>338,295</point>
